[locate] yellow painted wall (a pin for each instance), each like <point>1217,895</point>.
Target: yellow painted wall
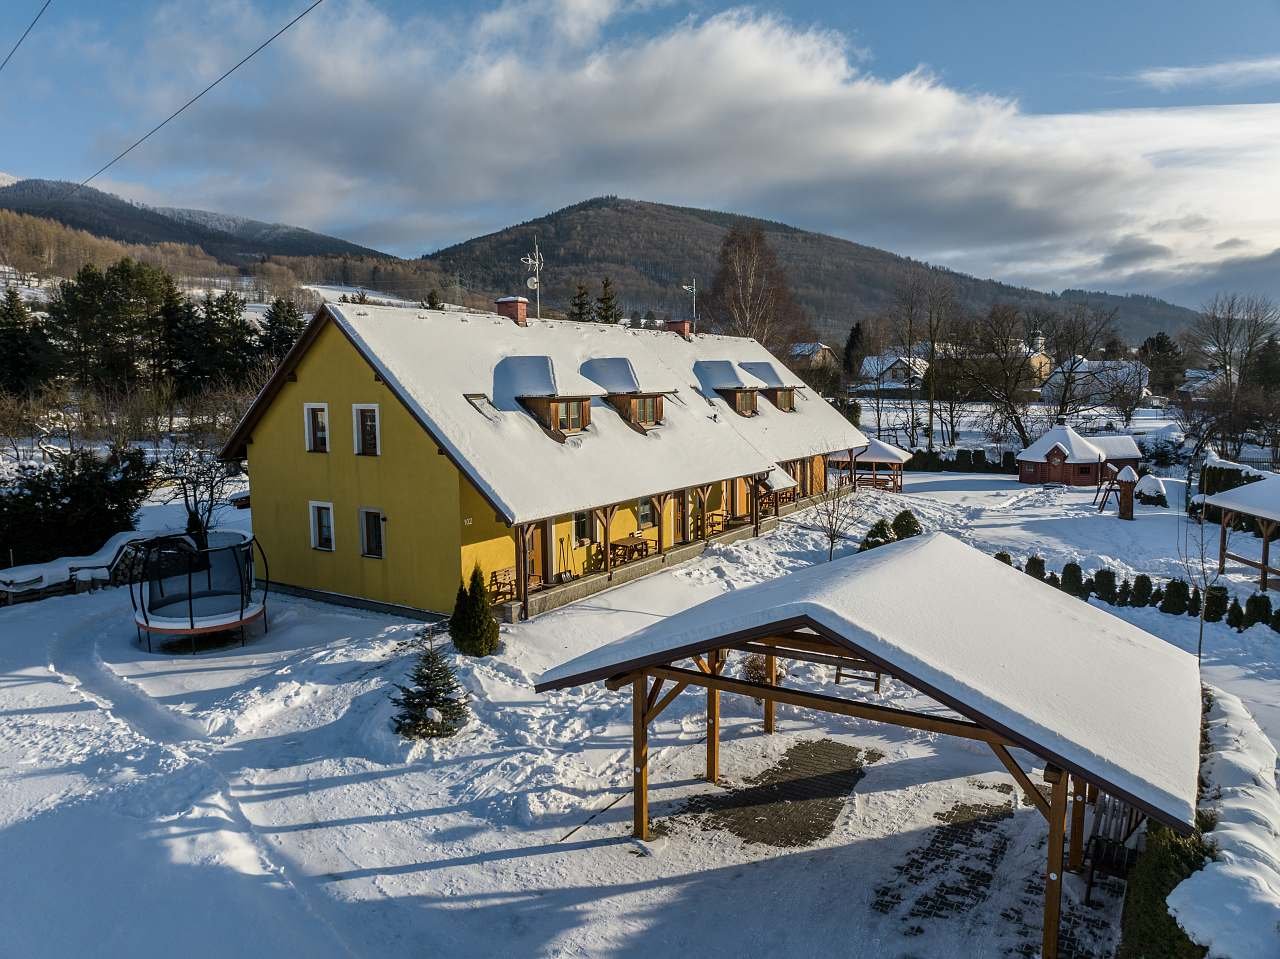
<point>420,491</point>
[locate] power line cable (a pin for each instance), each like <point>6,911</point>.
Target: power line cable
<point>180,109</point>
<point>24,35</point>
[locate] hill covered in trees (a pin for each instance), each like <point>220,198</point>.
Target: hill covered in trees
<point>650,249</point>
<point>231,239</point>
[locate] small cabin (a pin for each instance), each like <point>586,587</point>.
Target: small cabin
<point>1064,456</point>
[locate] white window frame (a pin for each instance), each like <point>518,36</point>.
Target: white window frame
<point>355,427</point>
<point>364,544</point>
<point>307,437</point>
<point>333,530</point>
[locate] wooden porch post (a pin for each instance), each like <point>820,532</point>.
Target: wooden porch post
<point>1222,543</point>
<point>1075,856</point>
<point>771,674</point>
<point>659,504</point>
<point>1267,527</point>
<point>755,505</point>
<point>1053,871</point>
<point>639,758</point>
<point>606,520</point>
<point>713,720</point>
<point>522,571</point>
<point>704,496</point>
<point>850,452</point>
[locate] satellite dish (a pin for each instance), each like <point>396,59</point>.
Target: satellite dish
<point>531,283</point>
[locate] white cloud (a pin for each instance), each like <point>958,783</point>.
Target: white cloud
<point>1228,73</point>
<point>412,135</point>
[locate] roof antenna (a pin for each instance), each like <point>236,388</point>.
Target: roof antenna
<point>692,290</point>
<point>534,262</point>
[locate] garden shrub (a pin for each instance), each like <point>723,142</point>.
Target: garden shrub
<point>1235,615</point>
<point>433,704</point>
<point>1141,590</point>
<point>1193,604</point>
<point>1004,558</point>
<point>1104,585</point>
<point>1275,620</point>
<point>980,464</point>
<point>1257,609</point>
<point>1124,596</point>
<point>1052,580</point>
<point>880,534</point>
<point>1177,598</point>
<point>472,627</point>
<point>963,461</point>
<point>1009,462</point>
<point>1215,604</point>
<point>905,525</point>
<point>1073,580</point>
<point>1035,567</point>
<point>1157,597</point>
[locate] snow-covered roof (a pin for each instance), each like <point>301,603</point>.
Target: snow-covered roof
<point>874,367</point>
<point>1261,498</point>
<point>1127,475</point>
<point>1080,688</point>
<point>808,349</point>
<point>1079,449</point>
<point>877,451</point>
<point>462,376</point>
<point>1150,485</point>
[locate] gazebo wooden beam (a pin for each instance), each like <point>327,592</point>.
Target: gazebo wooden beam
<point>1034,796</point>
<point>639,759</point>
<point>1057,779</point>
<point>830,704</point>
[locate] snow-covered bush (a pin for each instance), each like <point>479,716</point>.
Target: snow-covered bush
<point>1034,567</point>
<point>1141,590</point>
<point>1215,604</point>
<point>1073,580</point>
<point>1104,585</point>
<point>1235,615</point>
<point>1150,491</point>
<point>880,534</point>
<point>905,525</point>
<point>1257,609</point>
<point>1177,598</point>
<point>1005,558</point>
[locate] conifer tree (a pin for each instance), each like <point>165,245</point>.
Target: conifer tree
<point>580,305</point>
<point>281,326</point>
<point>1215,604</point>
<point>1004,557</point>
<point>1235,615</point>
<point>472,627</point>
<point>1052,580</point>
<point>1104,585</point>
<point>1035,567</point>
<point>1177,598</point>
<point>433,299</point>
<point>853,350</point>
<point>1193,604</point>
<point>1275,620</point>
<point>880,534</point>
<point>607,309</point>
<point>1257,609</point>
<point>1141,590</point>
<point>1157,597</point>
<point>26,358</point>
<point>905,525</point>
<point>1124,595</point>
<point>433,704</point>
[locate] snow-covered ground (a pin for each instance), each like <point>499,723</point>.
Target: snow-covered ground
<point>255,799</point>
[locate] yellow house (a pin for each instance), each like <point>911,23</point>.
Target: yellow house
<point>395,449</point>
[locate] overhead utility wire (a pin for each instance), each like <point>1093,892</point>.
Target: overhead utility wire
<point>180,109</point>
<point>9,56</point>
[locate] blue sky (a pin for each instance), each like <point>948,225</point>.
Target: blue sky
<point>1126,146</point>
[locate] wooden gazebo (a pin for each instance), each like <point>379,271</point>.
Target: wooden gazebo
<point>1261,501</point>
<point>1107,709</point>
<point>879,465</point>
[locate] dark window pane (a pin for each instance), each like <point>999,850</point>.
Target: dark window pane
<point>372,533</point>
<point>369,432</point>
<point>319,431</point>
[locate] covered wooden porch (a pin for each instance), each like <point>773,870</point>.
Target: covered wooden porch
<point>1095,760</point>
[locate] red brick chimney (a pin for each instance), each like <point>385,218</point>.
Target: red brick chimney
<point>681,327</point>
<point>513,308</point>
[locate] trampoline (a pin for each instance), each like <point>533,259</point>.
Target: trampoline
<point>184,588</point>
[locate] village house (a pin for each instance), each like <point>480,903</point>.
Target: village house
<point>814,356</point>
<point>1064,456</point>
<point>1088,383</point>
<point>396,448</point>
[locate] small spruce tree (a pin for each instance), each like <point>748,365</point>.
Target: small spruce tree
<point>1124,595</point>
<point>1141,590</point>
<point>580,305</point>
<point>1035,567</point>
<point>1193,604</point>
<point>880,534</point>
<point>1215,604</point>
<point>1177,598</point>
<point>1257,609</point>
<point>1052,580</point>
<point>433,703</point>
<point>905,525</point>
<point>475,631</point>
<point>1073,579</point>
<point>1104,585</point>
<point>1157,597</point>
<point>433,300</point>
<point>607,309</point>
<point>1005,558</point>
<point>1235,615</point>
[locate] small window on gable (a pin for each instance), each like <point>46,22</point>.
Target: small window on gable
<point>644,512</point>
<point>367,429</point>
<point>646,410</point>
<point>371,521</point>
<point>322,526</point>
<point>316,417</point>
<point>571,416</point>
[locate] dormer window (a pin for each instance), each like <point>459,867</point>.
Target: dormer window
<point>743,401</point>
<point>645,410</point>
<point>784,398</point>
<point>571,415</point>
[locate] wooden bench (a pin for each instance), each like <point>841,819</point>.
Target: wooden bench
<point>1108,851</point>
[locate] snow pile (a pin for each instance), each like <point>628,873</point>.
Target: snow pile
<point>1150,485</point>
<point>1216,462</point>
<point>17,578</point>
<point>1232,905</point>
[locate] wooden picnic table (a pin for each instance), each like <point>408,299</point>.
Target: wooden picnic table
<point>633,546</point>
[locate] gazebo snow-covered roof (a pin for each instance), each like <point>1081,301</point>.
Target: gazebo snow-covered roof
<point>1260,499</point>
<point>1079,449</point>
<point>1083,688</point>
<point>877,451</point>
<point>1112,711</point>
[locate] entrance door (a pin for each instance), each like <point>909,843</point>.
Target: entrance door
<point>1057,471</point>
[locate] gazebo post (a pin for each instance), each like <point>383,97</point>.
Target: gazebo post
<point>522,572</point>
<point>1075,857</point>
<point>1053,872</point>
<point>713,721</point>
<point>1267,528</point>
<point>771,674</point>
<point>639,758</point>
<point>1222,542</point>
<point>755,505</point>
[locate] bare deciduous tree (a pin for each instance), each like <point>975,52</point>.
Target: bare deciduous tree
<point>751,296</point>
